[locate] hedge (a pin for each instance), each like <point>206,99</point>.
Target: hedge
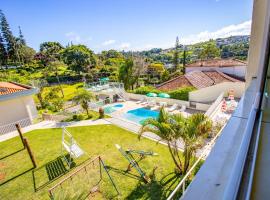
<point>180,94</point>
<point>145,90</point>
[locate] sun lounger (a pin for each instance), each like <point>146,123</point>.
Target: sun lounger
<point>140,101</point>
<point>183,108</point>
<point>151,104</point>
<point>172,108</point>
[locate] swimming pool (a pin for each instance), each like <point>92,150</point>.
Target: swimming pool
<point>139,115</point>
<point>111,109</point>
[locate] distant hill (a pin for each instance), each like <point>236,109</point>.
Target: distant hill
<point>230,47</point>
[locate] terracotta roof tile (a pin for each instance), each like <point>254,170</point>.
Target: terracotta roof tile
<point>197,79</point>
<point>8,88</point>
<point>218,63</point>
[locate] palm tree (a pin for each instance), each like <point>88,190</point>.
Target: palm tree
<point>172,128</point>
<point>83,97</point>
<point>192,131</point>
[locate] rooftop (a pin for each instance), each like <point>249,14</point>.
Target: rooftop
<point>11,87</point>
<point>197,79</point>
<point>10,90</point>
<point>218,63</point>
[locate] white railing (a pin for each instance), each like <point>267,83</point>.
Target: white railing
<point>7,128</point>
<point>203,155</point>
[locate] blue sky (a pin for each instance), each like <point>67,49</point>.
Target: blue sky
<point>127,24</point>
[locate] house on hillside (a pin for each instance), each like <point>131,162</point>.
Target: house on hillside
<point>16,105</point>
<point>232,67</point>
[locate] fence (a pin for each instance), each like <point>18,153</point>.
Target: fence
<point>7,128</point>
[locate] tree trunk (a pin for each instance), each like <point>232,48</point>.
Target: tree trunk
<point>174,160</point>
<point>61,89</point>
<point>87,112</point>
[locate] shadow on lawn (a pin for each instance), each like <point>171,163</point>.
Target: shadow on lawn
<point>50,172</point>
<point>156,189</point>
<point>11,154</point>
<point>123,172</point>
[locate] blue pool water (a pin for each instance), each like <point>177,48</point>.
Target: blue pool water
<point>140,115</point>
<point>111,109</point>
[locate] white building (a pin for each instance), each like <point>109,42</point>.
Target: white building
<point>233,67</point>
<point>16,105</point>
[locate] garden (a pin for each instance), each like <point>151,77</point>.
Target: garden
<point>17,176</point>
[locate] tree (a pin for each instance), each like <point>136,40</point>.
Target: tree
<point>49,52</point>
<point>27,54</point>
<point>83,97</point>
<point>54,67</point>
<point>209,50</point>
<point>3,54</point>
<point>40,84</point>
<point>171,128</point>
<point>130,71</point>
<point>79,58</point>
<point>176,55</point>
<point>55,101</point>
<point>155,69</point>
<point>9,39</point>
<point>21,37</point>
<point>165,75</point>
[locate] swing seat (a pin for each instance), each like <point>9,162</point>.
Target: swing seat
<point>74,150</point>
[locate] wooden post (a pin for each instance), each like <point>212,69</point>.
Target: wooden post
<point>20,134</point>
<point>31,155</point>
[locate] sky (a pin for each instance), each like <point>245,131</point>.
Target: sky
<point>127,24</point>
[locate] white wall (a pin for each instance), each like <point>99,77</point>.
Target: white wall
<point>211,93</point>
<point>199,106</point>
<point>239,71</point>
<point>17,109</point>
<point>157,99</point>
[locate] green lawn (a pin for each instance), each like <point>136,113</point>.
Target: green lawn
<point>95,140</point>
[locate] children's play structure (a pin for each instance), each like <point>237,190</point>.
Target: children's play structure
<point>70,145</point>
<point>133,162</point>
<point>87,177</point>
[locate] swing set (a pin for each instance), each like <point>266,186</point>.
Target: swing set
<point>77,183</point>
<point>133,162</point>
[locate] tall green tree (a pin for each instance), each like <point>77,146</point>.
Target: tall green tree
<point>3,54</point>
<point>79,58</point>
<point>21,37</point>
<point>129,73</point>
<point>83,97</point>
<point>9,39</point>
<point>172,128</point>
<point>49,52</point>
<point>209,50</point>
<point>176,55</point>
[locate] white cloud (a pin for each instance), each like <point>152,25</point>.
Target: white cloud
<point>108,42</point>
<point>124,46</point>
<point>76,38</point>
<point>231,30</point>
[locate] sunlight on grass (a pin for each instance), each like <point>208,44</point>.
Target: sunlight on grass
<point>95,140</point>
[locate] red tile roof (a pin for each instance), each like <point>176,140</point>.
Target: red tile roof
<point>218,63</point>
<point>197,79</point>
<point>9,87</point>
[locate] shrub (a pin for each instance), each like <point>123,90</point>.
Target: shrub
<point>181,94</point>
<point>145,90</point>
<point>101,113</point>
